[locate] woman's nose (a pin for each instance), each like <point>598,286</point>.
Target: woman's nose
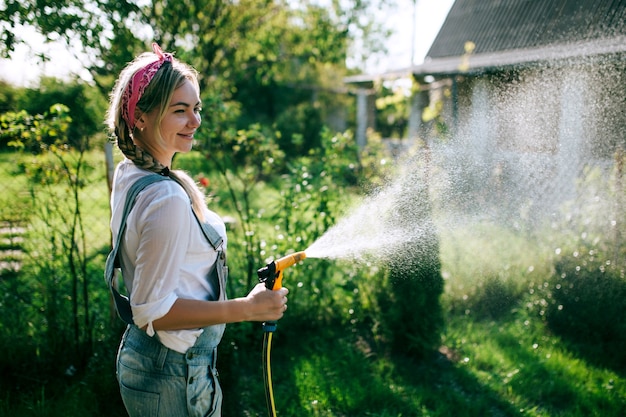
<point>195,120</point>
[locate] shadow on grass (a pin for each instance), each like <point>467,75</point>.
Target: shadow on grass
<point>559,383</point>
<point>520,359</point>
<point>339,375</point>
<point>609,354</point>
<point>333,372</point>
<point>588,309</point>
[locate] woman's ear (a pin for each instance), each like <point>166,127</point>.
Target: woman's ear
<point>140,123</point>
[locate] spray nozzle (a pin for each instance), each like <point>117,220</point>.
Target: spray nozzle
<point>272,273</point>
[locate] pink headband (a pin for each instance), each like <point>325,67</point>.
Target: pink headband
<point>137,85</point>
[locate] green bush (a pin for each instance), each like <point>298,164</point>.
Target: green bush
<point>587,304</point>
<point>585,297</point>
<point>411,316</point>
<point>491,298</point>
<point>300,128</point>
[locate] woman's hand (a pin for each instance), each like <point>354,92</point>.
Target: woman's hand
<point>260,304</point>
<point>266,305</point>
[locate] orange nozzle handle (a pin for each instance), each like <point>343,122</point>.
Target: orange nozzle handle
<point>272,273</point>
<point>284,263</point>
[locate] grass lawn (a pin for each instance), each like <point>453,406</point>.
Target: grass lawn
<point>497,356</point>
<point>508,366</point>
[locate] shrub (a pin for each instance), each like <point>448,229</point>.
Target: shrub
<point>409,299</point>
<point>586,299</point>
<point>492,298</point>
<point>587,305</point>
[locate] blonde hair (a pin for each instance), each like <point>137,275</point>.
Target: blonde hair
<point>157,95</point>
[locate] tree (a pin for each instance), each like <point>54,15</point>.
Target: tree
<point>260,56</point>
<point>84,104</point>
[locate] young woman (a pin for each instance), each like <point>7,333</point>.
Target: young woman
<point>174,275</point>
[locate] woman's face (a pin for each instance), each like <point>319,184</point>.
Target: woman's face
<point>180,122</point>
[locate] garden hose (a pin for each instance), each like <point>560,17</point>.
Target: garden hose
<point>267,372</point>
<point>272,276</point>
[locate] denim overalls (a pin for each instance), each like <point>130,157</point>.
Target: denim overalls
<point>156,381</point>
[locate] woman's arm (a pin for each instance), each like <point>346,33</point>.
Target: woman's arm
<point>260,304</point>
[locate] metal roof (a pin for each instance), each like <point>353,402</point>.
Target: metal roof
<point>519,32</point>
<point>510,32</point>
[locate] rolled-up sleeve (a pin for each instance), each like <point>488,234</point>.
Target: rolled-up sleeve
<point>161,233</point>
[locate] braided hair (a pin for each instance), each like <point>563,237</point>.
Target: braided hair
<point>157,95</point>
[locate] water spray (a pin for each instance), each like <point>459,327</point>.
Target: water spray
<point>272,276</point>
<point>385,225</point>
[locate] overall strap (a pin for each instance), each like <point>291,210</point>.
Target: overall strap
<point>122,302</point>
<point>214,238</point>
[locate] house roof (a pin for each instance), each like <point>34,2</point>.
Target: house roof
<point>508,33</point>
<point>513,32</point>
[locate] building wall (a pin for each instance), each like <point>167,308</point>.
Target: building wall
<point>520,141</point>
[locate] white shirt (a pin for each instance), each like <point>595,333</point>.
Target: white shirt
<point>164,254</point>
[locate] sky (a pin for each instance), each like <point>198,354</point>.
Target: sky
<point>25,69</point>
<point>428,16</point>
